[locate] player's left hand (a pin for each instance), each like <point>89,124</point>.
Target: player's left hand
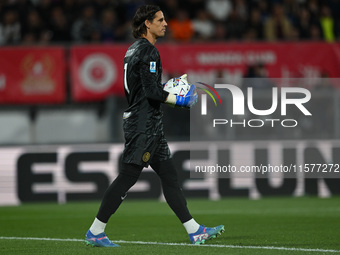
<point>189,99</point>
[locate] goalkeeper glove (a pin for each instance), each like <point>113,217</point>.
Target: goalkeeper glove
<point>186,101</point>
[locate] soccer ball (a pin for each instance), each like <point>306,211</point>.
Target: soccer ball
<point>178,86</point>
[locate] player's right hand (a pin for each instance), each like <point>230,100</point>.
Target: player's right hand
<point>189,99</point>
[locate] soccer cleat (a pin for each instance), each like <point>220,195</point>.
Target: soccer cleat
<point>100,240</point>
<point>204,233</point>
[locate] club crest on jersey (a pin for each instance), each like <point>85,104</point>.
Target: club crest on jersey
<point>146,156</point>
<point>152,67</point>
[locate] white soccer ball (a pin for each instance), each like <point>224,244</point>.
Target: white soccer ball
<point>178,86</point>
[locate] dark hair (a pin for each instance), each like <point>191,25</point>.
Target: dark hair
<point>145,12</point>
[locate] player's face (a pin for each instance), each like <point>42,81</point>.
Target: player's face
<point>158,25</point>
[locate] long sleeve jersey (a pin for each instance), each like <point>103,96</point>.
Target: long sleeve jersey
<point>143,89</point>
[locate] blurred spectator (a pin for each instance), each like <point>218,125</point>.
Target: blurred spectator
<point>220,32</point>
<point>29,39</point>
<point>131,7</point>
<point>241,9</point>
<point>315,33</point>
<point>21,7</point>
<point>45,37</point>
<point>334,5</point>
<point>294,34</point>
<point>181,27</point>
<point>57,21</point>
<point>34,26</point>
<point>71,10</point>
<point>327,24</point>
<point>235,26</point>
<point>256,77</point>
<point>169,8</point>
<point>313,8</point>
<point>219,9</point>
<point>44,8</point>
<point>292,8</point>
<point>192,7</point>
<point>101,5</point>
<point>277,26</point>
<point>203,26</point>
<point>86,28</point>
<point>263,7</point>
<point>59,27</point>
<point>256,70</point>
<point>250,35</point>
<point>254,26</point>
<point>10,28</point>
<point>108,26</point>
<point>303,23</point>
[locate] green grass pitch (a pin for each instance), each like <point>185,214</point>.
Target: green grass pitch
<point>267,226</point>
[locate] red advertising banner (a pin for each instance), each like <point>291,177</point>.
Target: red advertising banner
<point>37,74</point>
<point>32,75</point>
<point>230,60</point>
<point>97,71</point>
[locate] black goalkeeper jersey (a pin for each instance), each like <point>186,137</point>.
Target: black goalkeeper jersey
<point>143,128</point>
<point>143,88</point>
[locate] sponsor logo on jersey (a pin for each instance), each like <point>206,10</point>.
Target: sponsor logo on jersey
<point>152,67</point>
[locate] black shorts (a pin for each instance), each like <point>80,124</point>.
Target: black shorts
<point>143,149</point>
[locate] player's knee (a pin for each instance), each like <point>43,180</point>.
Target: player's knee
<point>169,181</point>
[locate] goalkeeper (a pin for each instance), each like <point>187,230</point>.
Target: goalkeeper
<point>145,143</point>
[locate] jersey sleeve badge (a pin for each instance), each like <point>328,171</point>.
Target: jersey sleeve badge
<point>152,67</point>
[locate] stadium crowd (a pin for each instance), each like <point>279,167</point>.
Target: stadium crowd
<point>93,21</point>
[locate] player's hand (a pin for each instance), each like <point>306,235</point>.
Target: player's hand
<point>189,99</point>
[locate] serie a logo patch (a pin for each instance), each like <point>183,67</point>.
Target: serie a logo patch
<point>152,67</point>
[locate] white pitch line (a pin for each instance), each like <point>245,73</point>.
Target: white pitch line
<point>173,244</point>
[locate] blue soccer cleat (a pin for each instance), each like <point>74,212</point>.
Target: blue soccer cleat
<point>100,240</point>
<point>204,233</point>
